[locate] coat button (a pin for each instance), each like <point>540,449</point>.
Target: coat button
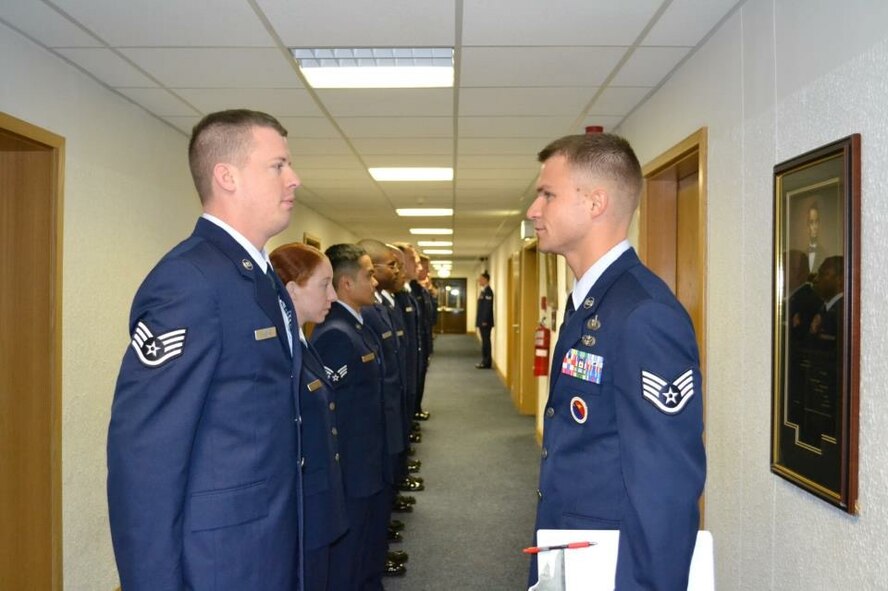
<point>334,431</point>
<point>302,462</point>
<point>336,457</point>
<point>332,406</point>
<point>545,453</point>
<point>550,412</point>
<point>539,494</point>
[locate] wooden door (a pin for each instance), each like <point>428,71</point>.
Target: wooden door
<point>529,319</point>
<point>30,356</point>
<point>514,325</point>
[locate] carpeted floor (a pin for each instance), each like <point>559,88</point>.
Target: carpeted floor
<point>480,464</point>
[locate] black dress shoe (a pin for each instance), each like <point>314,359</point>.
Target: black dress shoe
<point>418,479</point>
<point>395,537</point>
<point>481,366</point>
<point>394,569</point>
<point>398,556</point>
<point>408,485</point>
<point>411,451</point>
<point>414,466</point>
<point>422,416</point>
<point>396,525</point>
<point>415,437</point>
<point>415,427</point>
<point>405,499</point>
<point>402,508</point>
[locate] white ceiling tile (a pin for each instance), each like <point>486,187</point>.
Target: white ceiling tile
<point>159,101</point>
<point>45,25</point>
<point>502,174</point>
<point>107,66</point>
<point>618,100</point>
<point>156,23</point>
<point>302,145</point>
<point>505,186</point>
<point>518,161</point>
<point>280,102</point>
<point>311,174</point>
<point>400,127</point>
<point>520,146</point>
<point>513,127</point>
<point>523,101</point>
<point>419,190</point>
<point>537,66</point>
<point>190,67</point>
<point>358,23</point>
<point>398,102</point>
<point>185,124</point>
<point>555,22</point>
<point>686,22</point>
<point>395,146</point>
<point>309,127</point>
<point>340,184</point>
<point>648,65</point>
<point>331,161</point>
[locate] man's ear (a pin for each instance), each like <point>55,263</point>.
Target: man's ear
<point>597,201</point>
<point>225,176</point>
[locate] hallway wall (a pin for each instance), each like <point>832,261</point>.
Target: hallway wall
<point>128,198</point>
<point>780,78</point>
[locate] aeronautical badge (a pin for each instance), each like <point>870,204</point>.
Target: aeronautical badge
<point>334,375</point>
<point>578,409</point>
<point>247,264</point>
<point>583,365</point>
<point>669,398</point>
<point>154,351</point>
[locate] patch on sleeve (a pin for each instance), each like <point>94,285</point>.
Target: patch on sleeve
<point>154,351</point>
<point>670,398</point>
<point>334,375</point>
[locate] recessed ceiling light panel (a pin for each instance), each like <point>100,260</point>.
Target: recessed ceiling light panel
<point>376,67</point>
<point>432,231</point>
<point>424,211</point>
<point>414,173</point>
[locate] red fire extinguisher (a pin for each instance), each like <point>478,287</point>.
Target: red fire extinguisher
<point>541,351</point>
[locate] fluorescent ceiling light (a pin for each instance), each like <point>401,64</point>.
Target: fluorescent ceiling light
<point>439,251</point>
<point>444,273</point>
<point>424,211</point>
<point>432,231</point>
<point>376,67</point>
<point>434,243</point>
<point>412,174</point>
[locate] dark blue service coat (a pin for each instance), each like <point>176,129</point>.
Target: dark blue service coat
<point>622,443</point>
<point>203,477</point>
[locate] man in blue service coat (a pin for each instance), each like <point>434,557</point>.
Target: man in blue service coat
<point>203,477</point>
<point>484,319</point>
<point>622,442</point>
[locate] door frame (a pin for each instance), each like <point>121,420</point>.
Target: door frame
<point>55,144</point>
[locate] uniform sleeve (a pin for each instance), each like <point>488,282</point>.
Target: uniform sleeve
<point>337,353</point>
<point>161,389</point>
<point>660,423</point>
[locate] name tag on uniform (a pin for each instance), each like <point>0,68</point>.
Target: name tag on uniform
<point>368,357</point>
<point>583,365</point>
<point>315,385</point>
<point>400,333</point>
<point>265,333</point>
<point>408,309</point>
<point>387,334</point>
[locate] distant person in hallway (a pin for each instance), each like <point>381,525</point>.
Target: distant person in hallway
<point>623,423</point>
<point>484,319</point>
<point>308,277</point>
<point>203,481</point>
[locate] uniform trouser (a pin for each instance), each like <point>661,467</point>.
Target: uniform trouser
<point>420,385</point>
<point>317,568</point>
<point>485,345</point>
<point>358,557</point>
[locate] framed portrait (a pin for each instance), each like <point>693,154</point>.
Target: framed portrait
<point>816,321</point>
<point>311,240</point>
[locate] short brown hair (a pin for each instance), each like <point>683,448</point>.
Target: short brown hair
<point>296,262</point>
<point>224,136</point>
<point>601,154</point>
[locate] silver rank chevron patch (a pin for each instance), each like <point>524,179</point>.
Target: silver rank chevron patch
<point>154,351</point>
<point>334,375</point>
<point>670,398</point>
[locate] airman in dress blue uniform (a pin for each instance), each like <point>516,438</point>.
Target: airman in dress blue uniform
<point>350,353</point>
<point>308,278</point>
<point>203,489</point>
<point>622,441</point>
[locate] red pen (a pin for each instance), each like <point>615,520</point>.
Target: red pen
<point>538,549</point>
